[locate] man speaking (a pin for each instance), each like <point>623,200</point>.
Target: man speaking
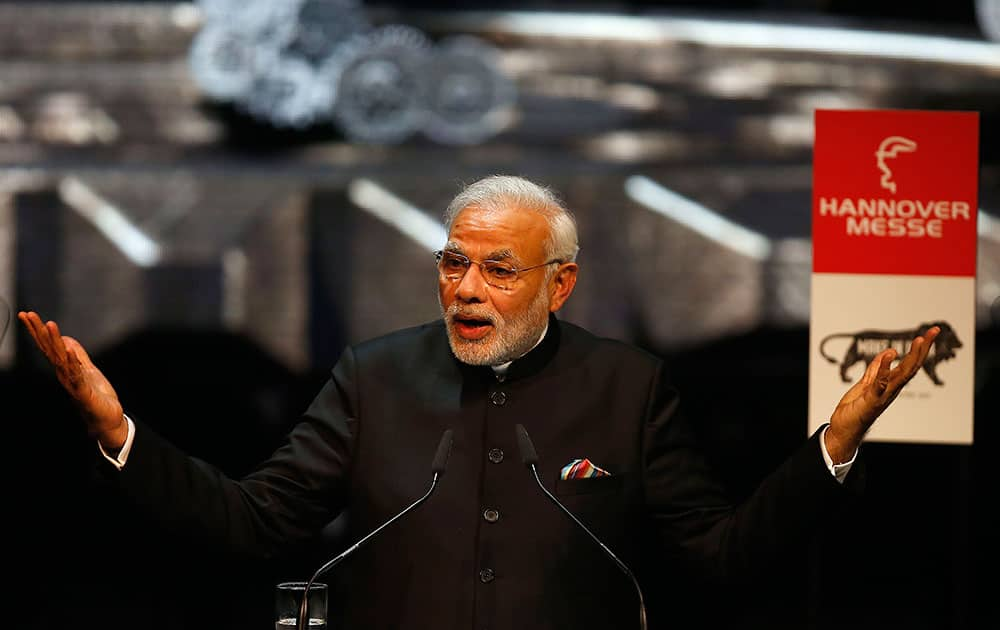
<point>489,550</point>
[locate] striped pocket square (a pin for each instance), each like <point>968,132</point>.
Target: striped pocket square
<point>582,469</point>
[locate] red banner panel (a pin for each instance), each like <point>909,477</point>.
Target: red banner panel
<point>895,192</point>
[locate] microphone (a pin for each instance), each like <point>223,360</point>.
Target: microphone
<point>530,459</point>
<point>4,318</point>
<point>437,468</point>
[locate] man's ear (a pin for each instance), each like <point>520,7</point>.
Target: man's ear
<point>561,285</point>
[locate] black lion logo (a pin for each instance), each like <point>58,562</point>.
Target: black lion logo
<point>866,344</point>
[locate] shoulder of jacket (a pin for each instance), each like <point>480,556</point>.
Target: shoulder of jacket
<point>609,346</point>
<point>404,339</point>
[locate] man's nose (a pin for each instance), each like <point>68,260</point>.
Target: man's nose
<point>472,286</point>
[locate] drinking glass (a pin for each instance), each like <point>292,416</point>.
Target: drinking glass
<point>288,603</point>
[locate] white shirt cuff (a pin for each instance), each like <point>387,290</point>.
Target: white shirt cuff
<point>839,471</point>
<point>118,461</point>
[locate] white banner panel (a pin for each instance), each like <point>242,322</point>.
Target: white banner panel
<point>856,316</point>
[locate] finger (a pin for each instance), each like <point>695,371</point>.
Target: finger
<point>919,349</point>
<point>58,347</point>
<point>74,368</point>
<point>31,323</point>
<point>928,343</point>
<point>38,332</point>
<point>916,356</point>
<point>27,322</point>
<point>872,371</point>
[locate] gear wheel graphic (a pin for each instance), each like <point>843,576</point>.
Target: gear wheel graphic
<point>325,24</point>
<point>224,62</point>
<point>379,84</point>
<point>289,94</point>
<point>468,98</point>
<point>297,63</point>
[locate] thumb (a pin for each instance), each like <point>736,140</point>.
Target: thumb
<point>877,373</point>
<point>882,380</point>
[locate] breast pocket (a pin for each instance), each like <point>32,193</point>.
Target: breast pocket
<point>599,502</point>
<point>590,485</point>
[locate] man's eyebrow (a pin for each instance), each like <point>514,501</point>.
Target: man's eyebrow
<point>501,254</point>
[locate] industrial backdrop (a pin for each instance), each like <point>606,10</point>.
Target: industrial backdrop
<point>215,197</point>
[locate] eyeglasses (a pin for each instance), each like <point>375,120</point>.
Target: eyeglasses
<point>496,273</point>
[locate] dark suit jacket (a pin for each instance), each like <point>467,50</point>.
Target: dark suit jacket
<point>367,441</point>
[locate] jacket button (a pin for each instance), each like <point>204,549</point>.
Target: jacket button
<point>498,398</point>
<point>491,515</point>
<point>486,576</point>
<point>496,455</point>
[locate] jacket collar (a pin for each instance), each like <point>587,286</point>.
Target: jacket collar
<point>538,357</point>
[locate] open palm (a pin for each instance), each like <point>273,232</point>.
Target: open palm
<point>865,401</point>
<point>86,385</point>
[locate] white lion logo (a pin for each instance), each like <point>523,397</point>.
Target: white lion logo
<point>888,148</point>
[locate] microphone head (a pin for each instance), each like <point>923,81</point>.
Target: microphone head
<point>443,450</point>
<point>528,454</point>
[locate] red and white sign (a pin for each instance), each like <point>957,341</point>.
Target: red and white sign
<point>894,192</point>
<point>894,251</point>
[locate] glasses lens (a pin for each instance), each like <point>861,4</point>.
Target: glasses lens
<point>452,265</point>
<point>499,274</point>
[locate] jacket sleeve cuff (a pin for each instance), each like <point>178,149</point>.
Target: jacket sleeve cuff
<point>118,459</point>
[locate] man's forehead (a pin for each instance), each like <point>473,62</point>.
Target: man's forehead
<point>507,229</point>
<point>498,211</point>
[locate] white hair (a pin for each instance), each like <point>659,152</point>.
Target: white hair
<point>502,191</point>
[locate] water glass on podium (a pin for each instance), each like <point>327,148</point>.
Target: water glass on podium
<point>288,603</point>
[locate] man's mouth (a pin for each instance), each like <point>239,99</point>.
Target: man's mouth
<point>472,327</point>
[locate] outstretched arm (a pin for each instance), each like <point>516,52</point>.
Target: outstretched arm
<point>868,398</point>
<point>90,390</point>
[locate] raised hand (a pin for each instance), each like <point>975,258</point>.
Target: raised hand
<point>86,385</point>
<point>865,401</point>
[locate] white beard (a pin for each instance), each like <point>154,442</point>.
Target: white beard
<point>507,341</point>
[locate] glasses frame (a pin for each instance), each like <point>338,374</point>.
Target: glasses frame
<point>440,254</point>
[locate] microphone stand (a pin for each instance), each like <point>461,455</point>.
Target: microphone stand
<point>530,458</point>
<point>438,465</point>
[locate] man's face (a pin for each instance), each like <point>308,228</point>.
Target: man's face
<point>487,325</point>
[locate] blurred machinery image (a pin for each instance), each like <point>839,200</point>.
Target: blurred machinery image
<point>300,63</point>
